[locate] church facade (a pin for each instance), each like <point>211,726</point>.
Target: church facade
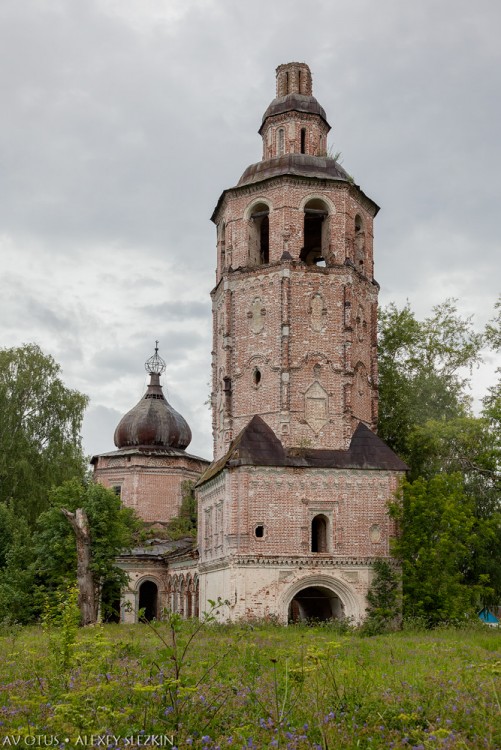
<point>292,510</point>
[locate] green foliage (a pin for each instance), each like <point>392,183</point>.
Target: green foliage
<point>111,528</point>
<point>420,370</point>
<point>17,602</point>
<point>60,620</point>
<point>185,523</point>
<point>40,422</point>
<point>425,417</point>
<point>439,537</point>
<point>178,641</point>
<point>284,687</point>
<point>384,609</point>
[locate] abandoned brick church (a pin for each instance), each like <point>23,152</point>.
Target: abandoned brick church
<point>292,509</point>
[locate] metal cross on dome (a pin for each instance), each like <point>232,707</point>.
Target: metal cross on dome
<point>155,364</point>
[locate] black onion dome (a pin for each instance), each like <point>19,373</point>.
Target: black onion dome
<point>153,422</point>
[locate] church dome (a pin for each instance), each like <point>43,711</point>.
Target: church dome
<point>153,421</point>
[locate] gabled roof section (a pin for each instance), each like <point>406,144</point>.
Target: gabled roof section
<point>257,445</point>
<point>368,451</point>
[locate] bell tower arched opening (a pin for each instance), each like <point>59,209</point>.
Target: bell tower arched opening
<point>314,233</point>
<point>259,235</point>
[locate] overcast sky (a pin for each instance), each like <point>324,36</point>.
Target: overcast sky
<point>123,121</point>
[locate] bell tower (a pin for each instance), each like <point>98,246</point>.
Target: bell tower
<point>292,512</point>
<point>295,301</point>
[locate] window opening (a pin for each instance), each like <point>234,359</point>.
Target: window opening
<point>313,231</point>
<point>257,376</point>
<point>359,243</point>
<point>281,141</point>
<point>223,246</point>
<point>259,239</point>
<point>117,489</point>
<point>259,532</point>
<point>303,140</point>
<point>319,534</point>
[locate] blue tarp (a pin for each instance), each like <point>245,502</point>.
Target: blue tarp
<point>488,617</point>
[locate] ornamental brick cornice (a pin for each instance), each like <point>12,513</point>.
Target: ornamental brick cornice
<point>317,561</point>
<point>234,562</point>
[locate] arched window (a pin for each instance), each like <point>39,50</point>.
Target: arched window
<point>281,142</point>
<point>315,231</point>
<point>259,235</point>
<point>319,526</point>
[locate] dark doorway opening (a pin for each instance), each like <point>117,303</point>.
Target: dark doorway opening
<point>148,600</point>
<point>315,604</point>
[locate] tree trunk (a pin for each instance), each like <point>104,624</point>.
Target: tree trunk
<point>86,593</point>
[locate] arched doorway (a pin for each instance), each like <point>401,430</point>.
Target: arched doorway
<point>315,603</point>
<point>148,600</point>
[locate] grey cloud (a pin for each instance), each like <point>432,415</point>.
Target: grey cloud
<point>124,120</point>
<point>180,310</point>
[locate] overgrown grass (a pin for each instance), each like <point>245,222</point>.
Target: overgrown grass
<point>250,687</point>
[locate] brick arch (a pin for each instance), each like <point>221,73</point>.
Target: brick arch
<point>341,589</point>
<point>318,197</point>
<point>255,202</point>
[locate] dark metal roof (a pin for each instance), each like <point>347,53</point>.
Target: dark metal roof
<point>153,421</point>
<point>257,445</point>
<point>300,165</point>
<point>159,549</point>
<point>322,167</point>
<point>294,103</point>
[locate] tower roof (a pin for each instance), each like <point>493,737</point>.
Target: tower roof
<point>153,421</point>
<point>321,167</point>
<point>294,103</point>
